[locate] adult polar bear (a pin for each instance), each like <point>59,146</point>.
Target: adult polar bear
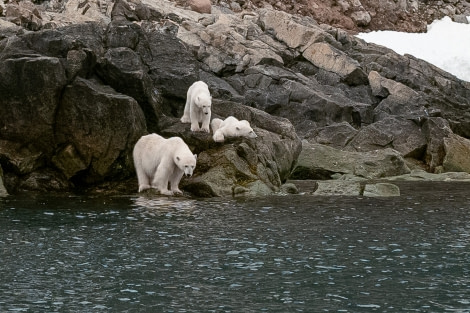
<point>198,107</point>
<point>159,161</point>
<point>231,127</point>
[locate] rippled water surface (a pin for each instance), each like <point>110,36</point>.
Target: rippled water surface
<point>277,254</point>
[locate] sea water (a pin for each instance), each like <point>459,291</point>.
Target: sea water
<point>297,253</point>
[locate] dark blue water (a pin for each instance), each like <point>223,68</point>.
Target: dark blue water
<point>278,254</point>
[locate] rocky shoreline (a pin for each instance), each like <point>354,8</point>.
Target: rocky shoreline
<point>81,83</point>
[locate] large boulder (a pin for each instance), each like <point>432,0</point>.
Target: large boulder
<point>96,129</point>
<point>457,154</point>
<point>402,135</point>
<point>322,162</point>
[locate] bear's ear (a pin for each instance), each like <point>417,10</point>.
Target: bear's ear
<point>195,156</point>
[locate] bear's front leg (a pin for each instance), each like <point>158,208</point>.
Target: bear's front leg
<point>160,180</point>
<point>175,180</point>
<point>144,187</point>
<point>219,136</point>
<point>166,192</point>
<point>195,126</point>
<point>205,126</point>
<point>206,121</point>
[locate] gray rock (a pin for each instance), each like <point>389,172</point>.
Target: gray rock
<point>338,188</point>
<point>402,135</point>
<point>420,175</point>
<point>333,60</point>
<point>435,129</point>
<point>457,154</point>
<point>289,188</point>
<point>361,18</point>
<point>322,162</point>
<point>336,135</point>
<point>381,190</point>
<point>24,14</point>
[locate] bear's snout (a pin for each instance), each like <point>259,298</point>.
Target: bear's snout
<point>188,172</point>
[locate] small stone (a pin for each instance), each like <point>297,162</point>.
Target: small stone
<point>200,6</point>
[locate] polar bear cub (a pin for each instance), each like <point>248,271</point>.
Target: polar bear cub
<point>159,161</point>
<point>231,127</point>
<point>198,107</point>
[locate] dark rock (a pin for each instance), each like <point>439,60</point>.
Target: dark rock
<point>96,129</point>
<point>400,134</point>
<point>30,91</point>
<point>336,135</point>
<point>435,130</point>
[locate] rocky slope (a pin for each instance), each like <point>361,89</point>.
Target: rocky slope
<point>81,81</point>
<point>365,15</point>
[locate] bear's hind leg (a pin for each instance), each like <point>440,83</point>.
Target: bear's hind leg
<point>186,118</point>
<point>143,179</point>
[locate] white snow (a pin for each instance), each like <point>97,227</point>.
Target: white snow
<point>446,44</point>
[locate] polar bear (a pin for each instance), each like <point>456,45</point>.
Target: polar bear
<point>159,161</point>
<point>231,127</point>
<point>198,107</point>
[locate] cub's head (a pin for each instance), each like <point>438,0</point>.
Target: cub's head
<point>186,163</point>
<point>204,103</point>
<point>243,129</point>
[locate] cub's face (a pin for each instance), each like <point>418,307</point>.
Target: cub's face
<point>187,164</point>
<point>247,133</point>
<point>204,103</point>
<point>244,130</point>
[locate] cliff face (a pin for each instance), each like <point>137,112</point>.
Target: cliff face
<point>366,15</point>
<point>80,82</point>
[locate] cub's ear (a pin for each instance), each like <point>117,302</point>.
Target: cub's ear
<point>178,158</point>
<point>195,156</point>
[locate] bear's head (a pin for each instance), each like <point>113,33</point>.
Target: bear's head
<point>204,103</point>
<point>186,163</point>
<point>243,129</point>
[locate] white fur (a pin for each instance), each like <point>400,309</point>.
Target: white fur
<point>198,107</point>
<point>159,161</point>
<point>231,127</point>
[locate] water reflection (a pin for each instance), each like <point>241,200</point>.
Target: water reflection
<point>288,254</point>
<point>156,205</point>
